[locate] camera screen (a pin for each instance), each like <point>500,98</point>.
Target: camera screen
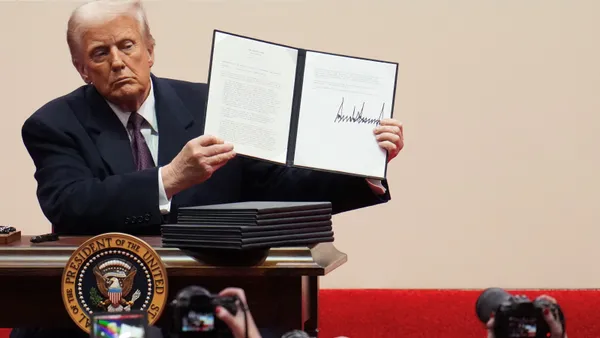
<point>198,322</point>
<point>522,327</point>
<point>122,325</point>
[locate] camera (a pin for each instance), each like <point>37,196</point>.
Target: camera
<point>296,334</point>
<point>193,311</point>
<point>516,316</point>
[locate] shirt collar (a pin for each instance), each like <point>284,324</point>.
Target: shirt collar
<point>147,111</point>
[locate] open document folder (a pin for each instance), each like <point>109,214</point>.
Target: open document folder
<point>299,107</point>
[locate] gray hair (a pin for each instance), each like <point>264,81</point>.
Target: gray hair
<point>98,11</point>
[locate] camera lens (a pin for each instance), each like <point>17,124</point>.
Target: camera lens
<point>489,300</point>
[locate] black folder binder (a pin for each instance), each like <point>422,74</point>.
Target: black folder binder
<point>248,221</point>
<point>245,230</point>
<point>250,225</point>
<point>247,246</point>
<point>254,240</point>
<point>262,209</point>
<point>189,214</point>
<point>216,234</point>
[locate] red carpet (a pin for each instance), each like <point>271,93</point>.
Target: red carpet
<point>432,313</point>
<point>435,314</point>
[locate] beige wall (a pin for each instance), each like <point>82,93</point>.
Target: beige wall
<point>499,181</point>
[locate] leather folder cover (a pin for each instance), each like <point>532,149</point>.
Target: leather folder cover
<point>256,207</point>
<point>241,228</point>
<point>233,221</point>
<point>210,234</point>
<point>245,246</point>
<point>281,238</point>
<point>251,214</point>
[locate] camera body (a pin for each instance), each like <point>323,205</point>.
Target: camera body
<point>516,316</point>
<point>194,313</point>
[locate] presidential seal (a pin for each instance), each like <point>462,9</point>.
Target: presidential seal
<point>114,272</point>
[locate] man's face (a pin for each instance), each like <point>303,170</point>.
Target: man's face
<point>117,60</point>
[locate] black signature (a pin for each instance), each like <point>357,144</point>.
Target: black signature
<point>357,115</point>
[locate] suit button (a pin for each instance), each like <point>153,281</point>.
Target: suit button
<point>147,215</point>
<point>147,218</point>
<point>126,220</point>
<point>140,219</point>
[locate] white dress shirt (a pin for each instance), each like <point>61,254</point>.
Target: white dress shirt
<point>149,130</point>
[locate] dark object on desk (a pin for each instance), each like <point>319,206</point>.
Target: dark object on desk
<point>257,209</point>
<point>9,234</point>
<point>240,245</point>
<point>248,226</point>
<point>44,238</point>
<point>5,229</point>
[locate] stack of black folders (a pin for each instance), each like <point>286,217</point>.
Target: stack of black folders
<point>250,225</point>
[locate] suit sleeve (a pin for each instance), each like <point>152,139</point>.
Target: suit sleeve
<point>266,181</point>
<point>76,202</point>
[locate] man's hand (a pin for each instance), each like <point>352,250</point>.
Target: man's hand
<point>551,318</point>
<point>390,136</point>
<point>237,323</point>
<point>490,327</point>
<point>195,163</point>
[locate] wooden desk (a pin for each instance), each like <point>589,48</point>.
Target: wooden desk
<point>282,291</point>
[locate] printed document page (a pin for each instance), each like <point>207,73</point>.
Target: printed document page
<point>343,100</point>
<point>250,95</point>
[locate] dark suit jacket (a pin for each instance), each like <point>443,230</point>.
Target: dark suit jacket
<point>87,183</point>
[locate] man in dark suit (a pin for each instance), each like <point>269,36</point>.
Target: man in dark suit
<point>89,181</point>
<point>87,177</point>
<point>124,151</point>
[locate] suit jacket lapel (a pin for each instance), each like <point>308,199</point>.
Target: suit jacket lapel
<point>107,132</point>
<point>173,121</point>
<point>111,138</point>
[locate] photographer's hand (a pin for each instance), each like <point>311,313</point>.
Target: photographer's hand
<point>556,329</point>
<point>490,327</point>
<point>237,323</point>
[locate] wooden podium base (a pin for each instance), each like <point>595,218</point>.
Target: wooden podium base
<point>282,291</point>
